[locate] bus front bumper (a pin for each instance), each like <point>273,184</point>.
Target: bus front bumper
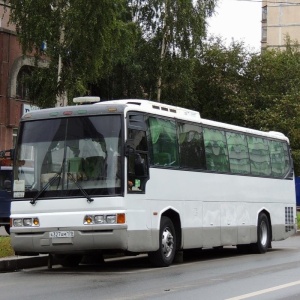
<point>66,240</point>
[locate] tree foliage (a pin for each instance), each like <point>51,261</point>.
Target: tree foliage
<point>128,48</point>
<point>260,91</point>
<point>87,35</point>
<point>177,27</point>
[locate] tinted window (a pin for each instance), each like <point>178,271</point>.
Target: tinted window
<point>238,153</point>
<point>216,150</point>
<point>259,156</point>
<point>191,146</point>
<point>163,142</point>
<point>279,158</point>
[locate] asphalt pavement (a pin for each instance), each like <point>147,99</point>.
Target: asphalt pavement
<point>14,263</point>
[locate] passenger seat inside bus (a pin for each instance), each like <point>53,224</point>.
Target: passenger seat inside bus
<point>75,166</point>
<point>94,167</point>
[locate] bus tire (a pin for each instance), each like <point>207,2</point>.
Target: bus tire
<point>165,254</point>
<point>68,260</point>
<point>263,234</point>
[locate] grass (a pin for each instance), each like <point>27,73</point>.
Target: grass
<point>5,247</point>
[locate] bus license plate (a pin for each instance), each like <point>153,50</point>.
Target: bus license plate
<point>61,234</point>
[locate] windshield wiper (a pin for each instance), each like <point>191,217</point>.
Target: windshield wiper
<point>50,182</point>
<point>89,199</point>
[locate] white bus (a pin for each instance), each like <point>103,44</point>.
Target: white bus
<point>143,177</point>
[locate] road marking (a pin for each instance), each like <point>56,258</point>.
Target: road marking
<point>275,288</point>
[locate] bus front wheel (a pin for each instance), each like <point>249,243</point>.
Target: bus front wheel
<point>165,254</point>
<point>263,234</point>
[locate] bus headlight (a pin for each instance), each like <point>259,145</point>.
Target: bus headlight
<point>111,219</point>
<point>26,222</point>
<point>17,222</point>
<point>99,219</point>
<point>104,219</point>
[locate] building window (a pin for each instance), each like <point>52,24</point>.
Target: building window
<point>22,82</point>
<point>264,14</point>
<point>264,34</point>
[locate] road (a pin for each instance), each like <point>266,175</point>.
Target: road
<point>208,274</point>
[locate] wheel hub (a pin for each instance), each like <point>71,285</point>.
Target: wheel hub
<point>167,242</point>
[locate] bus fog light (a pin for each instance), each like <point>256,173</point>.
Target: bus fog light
<point>88,220</point>
<point>17,222</point>
<point>111,219</point>
<point>99,219</point>
<point>27,222</point>
<point>36,222</point>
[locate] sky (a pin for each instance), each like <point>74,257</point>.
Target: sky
<point>239,20</point>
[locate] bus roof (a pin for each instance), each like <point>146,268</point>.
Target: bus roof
<point>121,106</point>
<point>160,108</point>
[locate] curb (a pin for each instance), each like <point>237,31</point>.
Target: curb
<point>15,263</point>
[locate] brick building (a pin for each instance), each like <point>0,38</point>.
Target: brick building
<point>13,93</point>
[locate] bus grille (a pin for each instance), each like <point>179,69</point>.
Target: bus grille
<point>289,219</point>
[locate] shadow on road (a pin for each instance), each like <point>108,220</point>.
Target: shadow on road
<point>141,262</point>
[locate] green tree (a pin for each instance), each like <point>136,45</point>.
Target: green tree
<point>218,80</point>
<point>276,94</point>
<point>177,27</point>
<point>260,91</point>
<point>88,36</point>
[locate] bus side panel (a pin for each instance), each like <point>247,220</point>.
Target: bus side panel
<point>142,234</point>
<point>220,209</point>
<point>192,225</point>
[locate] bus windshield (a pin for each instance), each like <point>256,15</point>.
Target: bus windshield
<point>69,156</point>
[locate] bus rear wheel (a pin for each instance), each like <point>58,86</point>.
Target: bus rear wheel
<point>165,254</point>
<point>263,234</point>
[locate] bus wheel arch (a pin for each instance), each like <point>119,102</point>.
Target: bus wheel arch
<point>175,218</point>
<point>169,240</point>
<point>264,232</point>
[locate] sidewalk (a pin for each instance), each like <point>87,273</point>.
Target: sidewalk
<point>14,263</point>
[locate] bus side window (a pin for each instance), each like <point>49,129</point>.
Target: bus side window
<point>238,153</point>
<point>259,156</point>
<point>163,142</point>
<point>191,146</point>
<point>137,153</point>
<point>279,158</point>
<point>216,150</point>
